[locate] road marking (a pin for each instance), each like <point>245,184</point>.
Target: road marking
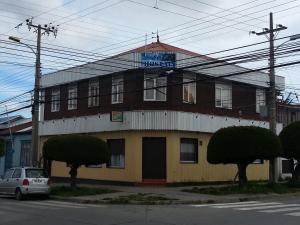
<point>76,204</point>
<point>221,204</point>
<point>24,205</point>
<point>293,214</point>
<point>246,205</point>
<point>281,210</point>
<point>56,205</point>
<point>269,207</point>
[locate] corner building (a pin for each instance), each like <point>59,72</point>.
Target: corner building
<point>157,107</point>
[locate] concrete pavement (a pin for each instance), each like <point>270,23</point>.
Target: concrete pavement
<point>49,212</point>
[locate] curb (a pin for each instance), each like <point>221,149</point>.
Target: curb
<point>178,202</point>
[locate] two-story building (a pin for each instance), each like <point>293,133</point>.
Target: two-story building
<point>157,107</point>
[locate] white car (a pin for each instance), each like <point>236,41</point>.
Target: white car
<point>22,181</point>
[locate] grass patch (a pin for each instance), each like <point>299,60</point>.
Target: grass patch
<point>79,191</point>
<point>251,188</point>
<point>140,198</point>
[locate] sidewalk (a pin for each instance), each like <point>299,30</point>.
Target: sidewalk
<point>162,195</point>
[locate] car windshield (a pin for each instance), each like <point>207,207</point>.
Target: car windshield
<point>35,173</point>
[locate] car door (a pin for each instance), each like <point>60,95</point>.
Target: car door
<point>6,181</point>
<point>15,181</point>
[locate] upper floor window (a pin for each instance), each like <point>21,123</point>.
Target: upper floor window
<point>117,90</point>
<point>93,93</point>
<point>189,89</point>
<point>223,93</point>
<point>260,99</point>
<point>55,100</point>
<point>72,97</point>
<point>155,88</point>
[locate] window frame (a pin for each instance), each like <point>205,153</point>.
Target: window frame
<point>109,164</point>
<point>196,153</point>
<point>93,99</point>
<point>72,96</point>
<point>260,92</point>
<point>223,87</point>
<point>55,103</point>
<point>189,78</point>
<point>155,90</point>
<point>22,153</point>
<point>117,82</point>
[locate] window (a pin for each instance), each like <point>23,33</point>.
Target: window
<point>55,100</point>
<point>117,90</point>
<point>260,99</point>
<point>17,173</point>
<point>72,97</point>
<point>93,93</point>
<point>189,90</point>
<point>188,150</point>
<point>151,93</point>
<point>117,147</point>
<point>25,153</point>
<point>223,95</point>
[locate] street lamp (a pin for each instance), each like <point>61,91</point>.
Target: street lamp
<point>35,105</point>
<point>292,38</point>
<point>18,40</point>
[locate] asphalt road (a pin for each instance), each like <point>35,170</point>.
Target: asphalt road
<point>50,212</point>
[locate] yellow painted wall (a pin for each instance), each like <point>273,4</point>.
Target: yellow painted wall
<point>176,171</point>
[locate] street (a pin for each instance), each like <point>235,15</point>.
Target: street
<point>37,212</point>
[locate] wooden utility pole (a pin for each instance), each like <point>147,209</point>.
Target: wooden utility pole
<point>273,168</point>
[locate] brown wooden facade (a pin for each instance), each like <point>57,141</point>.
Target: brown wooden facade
<point>243,97</point>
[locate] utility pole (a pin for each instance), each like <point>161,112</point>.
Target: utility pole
<point>273,167</point>
<point>46,29</point>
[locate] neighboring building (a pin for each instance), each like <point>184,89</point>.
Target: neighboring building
<point>16,131</point>
<point>286,114</point>
<point>157,127</point>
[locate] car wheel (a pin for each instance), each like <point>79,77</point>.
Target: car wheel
<point>19,195</point>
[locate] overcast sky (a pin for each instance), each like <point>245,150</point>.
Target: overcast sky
<point>108,27</point>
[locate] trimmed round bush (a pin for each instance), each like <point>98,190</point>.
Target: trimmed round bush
<point>242,144</point>
<point>290,136</point>
<point>76,150</point>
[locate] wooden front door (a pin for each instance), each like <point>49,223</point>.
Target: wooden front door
<point>154,158</point>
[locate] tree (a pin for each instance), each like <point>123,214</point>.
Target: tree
<point>289,136</point>
<point>242,145</point>
<point>2,144</point>
<point>76,150</point>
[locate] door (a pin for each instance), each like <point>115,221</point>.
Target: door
<point>154,158</point>
<point>8,156</point>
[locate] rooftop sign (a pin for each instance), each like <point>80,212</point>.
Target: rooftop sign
<point>158,60</point>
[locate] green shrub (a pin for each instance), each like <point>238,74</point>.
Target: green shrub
<point>76,150</point>
<point>289,136</point>
<point>242,145</point>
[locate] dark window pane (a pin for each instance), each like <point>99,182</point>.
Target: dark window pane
<point>189,150</point>
<point>117,148</point>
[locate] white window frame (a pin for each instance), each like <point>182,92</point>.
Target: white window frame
<point>163,90</point>
<point>190,87</point>
<point>260,98</point>
<point>72,97</point>
<point>55,100</point>
<point>223,88</point>
<point>94,90</point>
<point>117,87</point>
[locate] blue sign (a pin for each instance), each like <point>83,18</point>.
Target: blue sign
<point>158,59</point>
